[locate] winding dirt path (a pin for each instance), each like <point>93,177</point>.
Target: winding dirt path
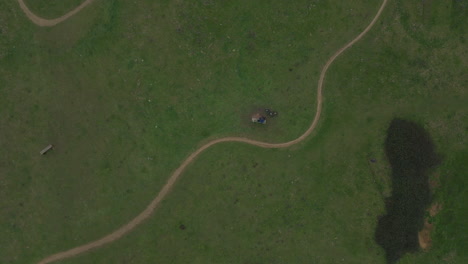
<point>173,178</point>
<point>42,22</point>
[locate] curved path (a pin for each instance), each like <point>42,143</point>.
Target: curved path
<point>42,22</point>
<point>173,178</point>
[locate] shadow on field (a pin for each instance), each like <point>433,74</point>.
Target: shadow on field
<point>411,154</point>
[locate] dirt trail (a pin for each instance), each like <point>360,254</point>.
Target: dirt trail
<point>173,178</point>
<point>42,22</point>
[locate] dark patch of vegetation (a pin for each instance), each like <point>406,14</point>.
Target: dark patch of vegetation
<point>459,16</point>
<point>411,153</point>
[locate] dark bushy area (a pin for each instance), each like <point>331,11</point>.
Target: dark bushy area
<point>411,153</point>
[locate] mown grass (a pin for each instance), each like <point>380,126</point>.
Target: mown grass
<point>99,84</point>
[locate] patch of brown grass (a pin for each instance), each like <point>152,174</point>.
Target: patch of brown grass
<point>434,182</point>
<point>424,236</point>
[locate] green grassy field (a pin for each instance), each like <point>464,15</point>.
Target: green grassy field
<point>127,90</point>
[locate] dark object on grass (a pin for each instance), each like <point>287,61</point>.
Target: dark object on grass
<point>182,227</point>
<point>271,112</point>
<point>258,118</point>
<point>411,154</point>
<point>373,160</point>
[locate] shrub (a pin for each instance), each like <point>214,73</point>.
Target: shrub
<point>411,154</point>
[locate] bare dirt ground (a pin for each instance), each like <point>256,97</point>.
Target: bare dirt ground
<point>173,178</point>
<point>424,236</point>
